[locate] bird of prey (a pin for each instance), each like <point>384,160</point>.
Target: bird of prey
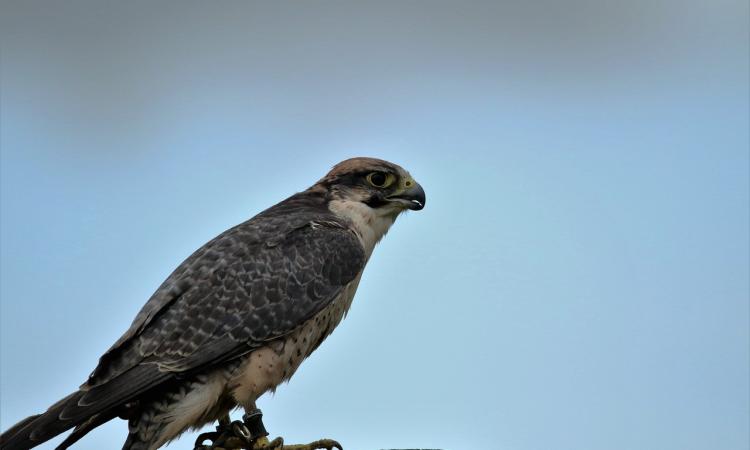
<point>237,318</point>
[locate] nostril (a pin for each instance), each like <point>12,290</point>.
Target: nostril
<point>408,184</point>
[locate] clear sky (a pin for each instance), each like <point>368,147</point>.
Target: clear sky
<point>578,280</point>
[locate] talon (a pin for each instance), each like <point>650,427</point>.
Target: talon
<point>327,444</point>
<point>203,437</point>
<point>200,442</point>
<point>228,435</point>
<point>250,434</point>
<point>263,443</point>
<point>240,430</point>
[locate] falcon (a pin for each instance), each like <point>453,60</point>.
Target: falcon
<point>236,319</point>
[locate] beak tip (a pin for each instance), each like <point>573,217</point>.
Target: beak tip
<point>413,199</point>
<point>418,198</point>
<point>416,205</point>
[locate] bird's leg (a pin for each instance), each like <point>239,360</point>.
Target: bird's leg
<point>253,420</point>
<point>251,434</point>
<point>228,436</point>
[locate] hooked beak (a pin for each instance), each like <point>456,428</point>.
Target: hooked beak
<point>412,198</point>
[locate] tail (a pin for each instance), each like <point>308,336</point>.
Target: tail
<point>40,428</point>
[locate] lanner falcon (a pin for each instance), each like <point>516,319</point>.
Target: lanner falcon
<point>237,318</point>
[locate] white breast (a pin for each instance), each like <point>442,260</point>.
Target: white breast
<point>369,224</point>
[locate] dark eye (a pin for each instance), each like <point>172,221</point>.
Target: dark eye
<point>377,179</point>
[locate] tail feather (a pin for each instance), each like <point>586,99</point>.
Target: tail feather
<point>80,408</point>
<point>83,429</point>
<point>16,428</point>
<point>34,430</point>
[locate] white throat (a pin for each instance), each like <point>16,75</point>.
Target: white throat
<point>369,224</point>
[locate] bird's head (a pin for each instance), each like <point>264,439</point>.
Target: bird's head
<point>385,187</point>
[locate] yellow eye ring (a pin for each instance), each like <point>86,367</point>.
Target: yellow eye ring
<point>380,179</point>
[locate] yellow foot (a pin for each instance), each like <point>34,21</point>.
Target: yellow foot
<point>278,444</point>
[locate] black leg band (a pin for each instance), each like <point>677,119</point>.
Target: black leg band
<point>254,422</point>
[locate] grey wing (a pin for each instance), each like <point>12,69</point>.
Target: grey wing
<point>249,301</point>
<point>234,294</point>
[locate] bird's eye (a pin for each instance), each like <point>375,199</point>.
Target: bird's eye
<point>380,179</point>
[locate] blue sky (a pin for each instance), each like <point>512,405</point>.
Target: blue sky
<point>578,280</point>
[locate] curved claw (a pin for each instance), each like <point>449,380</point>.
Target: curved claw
<point>234,443</point>
<point>203,437</point>
<point>264,444</point>
<point>320,444</point>
<point>240,431</point>
<point>234,435</point>
<point>328,444</point>
<point>250,434</point>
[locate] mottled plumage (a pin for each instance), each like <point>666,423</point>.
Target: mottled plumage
<point>238,316</point>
